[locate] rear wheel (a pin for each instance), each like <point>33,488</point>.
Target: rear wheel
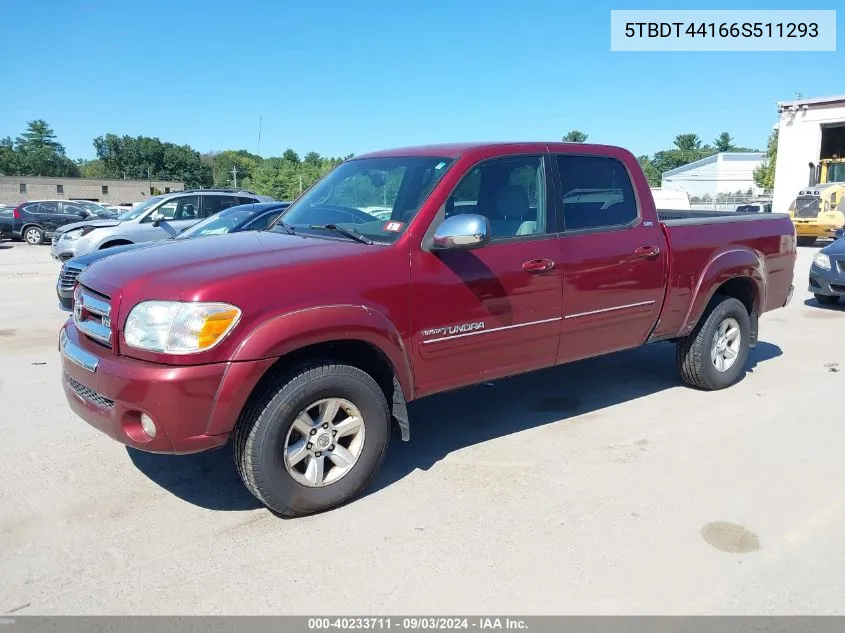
<point>826,299</point>
<point>314,440</point>
<point>713,355</point>
<point>33,235</point>
<point>806,240</point>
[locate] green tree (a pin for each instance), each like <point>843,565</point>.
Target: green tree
<point>724,143</point>
<point>222,164</point>
<point>652,174</point>
<point>9,163</point>
<point>764,175</point>
<point>291,156</point>
<point>575,136</point>
<point>143,157</point>
<point>91,168</point>
<point>39,135</point>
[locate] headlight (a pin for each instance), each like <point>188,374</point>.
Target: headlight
<point>75,234</point>
<point>174,327</point>
<point>822,261</point>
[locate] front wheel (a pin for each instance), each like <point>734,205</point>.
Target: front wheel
<point>827,299</point>
<point>713,355</point>
<point>33,235</point>
<point>314,440</point>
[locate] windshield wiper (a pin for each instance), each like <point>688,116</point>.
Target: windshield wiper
<point>350,233</point>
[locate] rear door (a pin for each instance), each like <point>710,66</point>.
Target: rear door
<point>496,310</point>
<point>614,260</point>
<point>48,215</point>
<point>213,203</point>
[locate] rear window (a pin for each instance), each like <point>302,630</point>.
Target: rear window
<point>597,192</point>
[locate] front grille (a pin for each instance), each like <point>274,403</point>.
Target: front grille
<point>807,210</point>
<point>86,393</point>
<point>68,276</point>
<point>92,315</point>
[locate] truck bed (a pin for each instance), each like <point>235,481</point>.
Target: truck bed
<point>699,239</point>
<point>681,217</point>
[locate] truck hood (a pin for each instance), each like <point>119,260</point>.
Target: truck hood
<point>184,269</point>
<point>100,224</point>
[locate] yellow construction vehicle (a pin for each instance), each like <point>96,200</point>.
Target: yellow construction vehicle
<point>831,170</point>
<point>814,211</point>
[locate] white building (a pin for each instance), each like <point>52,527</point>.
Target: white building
<point>725,173</point>
<point>808,129</point>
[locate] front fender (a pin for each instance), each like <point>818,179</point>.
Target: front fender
<point>724,266</point>
<point>289,332</point>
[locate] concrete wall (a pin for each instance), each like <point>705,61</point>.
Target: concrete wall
<point>119,191</point>
<point>799,143</point>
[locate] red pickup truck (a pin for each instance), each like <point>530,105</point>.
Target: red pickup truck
<point>304,342</point>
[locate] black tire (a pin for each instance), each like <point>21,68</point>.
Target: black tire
<point>827,299</point>
<point>32,235</point>
<point>693,351</point>
<point>806,240</point>
<point>259,437</point>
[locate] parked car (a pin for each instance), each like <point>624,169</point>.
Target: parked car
<point>6,222</point>
<point>827,273</point>
<point>839,234</point>
<point>37,220</point>
<point>246,217</point>
<point>304,342</point>
<point>100,210</point>
<point>181,210</point>
<point>755,206</point>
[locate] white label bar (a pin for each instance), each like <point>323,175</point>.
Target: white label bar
<point>723,30</point>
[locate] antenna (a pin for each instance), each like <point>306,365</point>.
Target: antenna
<point>259,135</point>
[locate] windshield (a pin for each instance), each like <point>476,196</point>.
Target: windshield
<point>377,197</point>
<point>218,224</point>
<point>140,209</point>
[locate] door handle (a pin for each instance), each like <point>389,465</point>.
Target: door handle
<point>538,265</point>
<point>647,251</point>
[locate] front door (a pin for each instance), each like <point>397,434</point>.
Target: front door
<point>179,214</point>
<point>496,310</point>
<point>614,262</point>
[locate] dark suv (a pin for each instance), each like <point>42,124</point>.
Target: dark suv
<point>143,222</point>
<point>37,220</point>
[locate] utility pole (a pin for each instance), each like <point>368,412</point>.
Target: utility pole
<point>300,184</point>
<point>235,175</point>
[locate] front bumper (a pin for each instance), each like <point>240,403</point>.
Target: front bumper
<point>812,228</point>
<point>61,249</point>
<point>827,282</point>
<point>194,408</point>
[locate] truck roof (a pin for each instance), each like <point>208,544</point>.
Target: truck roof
<point>453,150</point>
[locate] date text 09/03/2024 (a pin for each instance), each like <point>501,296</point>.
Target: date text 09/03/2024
<point>415,623</point>
<point>712,29</point>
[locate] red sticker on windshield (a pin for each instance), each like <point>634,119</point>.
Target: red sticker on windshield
<point>393,226</point>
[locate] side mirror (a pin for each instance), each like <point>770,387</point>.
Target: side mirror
<point>462,232</point>
<point>158,218</point>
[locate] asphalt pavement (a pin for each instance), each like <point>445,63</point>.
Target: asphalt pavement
<point>602,487</point>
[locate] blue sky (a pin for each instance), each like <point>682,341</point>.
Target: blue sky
<point>337,77</point>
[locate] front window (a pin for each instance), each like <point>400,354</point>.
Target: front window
<point>139,210</point>
<point>377,197</point>
<point>181,208</point>
<point>220,223</point>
